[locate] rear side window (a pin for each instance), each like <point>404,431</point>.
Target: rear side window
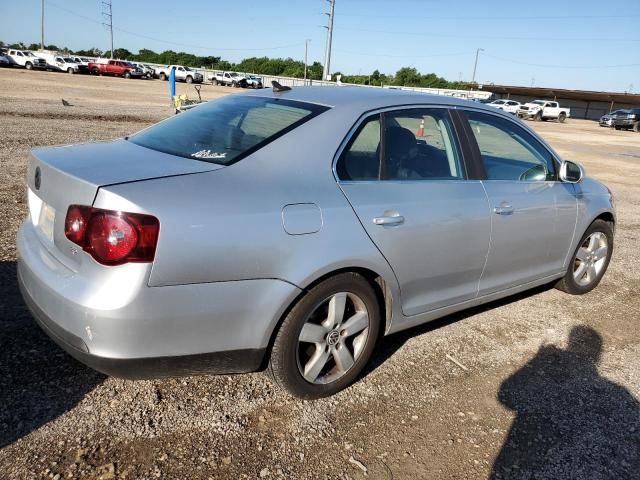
<point>228,129</point>
<point>420,145</point>
<point>361,159</point>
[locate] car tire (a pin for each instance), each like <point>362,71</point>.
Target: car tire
<point>214,82</point>
<point>28,66</point>
<point>127,75</point>
<point>70,71</point>
<point>636,127</point>
<point>163,76</point>
<point>189,79</point>
<point>338,357</point>
<point>617,127</point>
<point>586,256</point>
<point>538,116</point>
<point>562,117</point>
<point>234,84</point>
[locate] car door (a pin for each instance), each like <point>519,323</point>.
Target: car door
<point>533,214</point>
<point>404,173</point>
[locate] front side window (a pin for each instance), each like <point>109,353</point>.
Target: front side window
<point>225,130</point>
<point>509,152</point>
<point>420,145</point>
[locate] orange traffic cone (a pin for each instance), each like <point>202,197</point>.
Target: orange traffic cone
<point>420,132</point>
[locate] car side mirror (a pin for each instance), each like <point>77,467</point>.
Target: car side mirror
<point>571,172</point>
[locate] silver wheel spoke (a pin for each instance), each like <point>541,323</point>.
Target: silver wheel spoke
<point>600,253</point>
<point>355,324</point>
<point>343,358</point>
<point>316,362</point>
<point>593,243</point>
<point>582,254</point>
<point>591,273</point>
<point>336,310</point>
<point>312,333</point>
<point>578,274</point>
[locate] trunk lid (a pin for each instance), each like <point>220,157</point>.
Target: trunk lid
<point>72,174</point>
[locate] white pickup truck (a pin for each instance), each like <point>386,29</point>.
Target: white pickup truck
<point>230,79</point>
<point>59,63</point>
<point>544,110</point>
<point>183,74</point>
<point>26,59</point>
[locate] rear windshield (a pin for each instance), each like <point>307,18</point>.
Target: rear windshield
<point>225,130</point>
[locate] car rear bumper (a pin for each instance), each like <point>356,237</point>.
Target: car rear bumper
<point>221,327</point>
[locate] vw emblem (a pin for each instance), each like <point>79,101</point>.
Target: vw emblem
<point>37,178</point>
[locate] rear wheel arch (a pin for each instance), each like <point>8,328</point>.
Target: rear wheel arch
<point>380,287</point>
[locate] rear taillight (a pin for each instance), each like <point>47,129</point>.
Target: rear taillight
<point>112,238</point>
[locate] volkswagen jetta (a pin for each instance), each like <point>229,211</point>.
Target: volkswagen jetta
<point>290,230</point>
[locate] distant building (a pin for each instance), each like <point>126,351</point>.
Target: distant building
<point>583,103</point>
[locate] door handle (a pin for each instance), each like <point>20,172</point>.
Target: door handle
<point>389,220</point>
<point>503,209</point>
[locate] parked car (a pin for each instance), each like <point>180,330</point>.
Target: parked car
<point>229,79</point>
<point>26,59</point>
<point>183,74</point>
<point>254,81</point>
<point>510,106</point>
<point>4,60</point>
<point>59,63</point>
<point>114,67</point>
<point>208,243</point>
<point>83,63</point>
<point>628,119</point>
<point>543,110</point>
<point>607,119</point>
<point>147,71</point>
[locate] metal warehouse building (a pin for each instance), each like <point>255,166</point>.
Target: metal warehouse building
<point>583,103</point>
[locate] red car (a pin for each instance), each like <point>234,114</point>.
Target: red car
<point>115,67</point>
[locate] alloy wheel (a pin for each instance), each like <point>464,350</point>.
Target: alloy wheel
<point>590,259</point>
<point>333,338</point>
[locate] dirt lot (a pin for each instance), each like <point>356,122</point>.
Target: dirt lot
<point>529,404</point>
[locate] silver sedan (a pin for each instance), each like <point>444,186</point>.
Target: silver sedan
<point>290,230</point>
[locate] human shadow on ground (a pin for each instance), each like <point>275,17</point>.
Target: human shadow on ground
<point>38,381</point>
<point>571,422</point>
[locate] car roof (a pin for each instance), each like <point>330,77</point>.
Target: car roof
<point>366,98</point>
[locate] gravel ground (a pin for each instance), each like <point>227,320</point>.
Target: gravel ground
<point>550,389</point>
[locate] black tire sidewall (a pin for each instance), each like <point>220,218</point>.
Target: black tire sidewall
<point>596,226</point>
<point>284,362</point>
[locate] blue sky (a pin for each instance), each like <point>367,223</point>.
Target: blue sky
<point>582,44</point>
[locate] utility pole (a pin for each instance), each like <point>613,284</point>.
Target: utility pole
<point>306,50</point>
<point>326,71</point>
<point>475,65</point>
<point>108,15</point>
<point>42,28</point>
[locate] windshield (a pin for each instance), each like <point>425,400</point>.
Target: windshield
<point>187,69</point>
<point>68,60</point>
<point>29,54</point>
<point>233,74</point>
<point>226,130</point>
<point>538,102</point>
<point>499,102</point>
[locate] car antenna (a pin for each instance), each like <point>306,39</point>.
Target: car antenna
<point>279,88</point>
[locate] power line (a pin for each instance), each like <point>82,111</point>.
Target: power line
<point>393,55</point>
<point>168,42</point>
<point>496,37</point>
<point>518,62</point>
<point>492,17</point>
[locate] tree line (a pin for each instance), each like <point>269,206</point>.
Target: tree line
<point>286,67</point>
